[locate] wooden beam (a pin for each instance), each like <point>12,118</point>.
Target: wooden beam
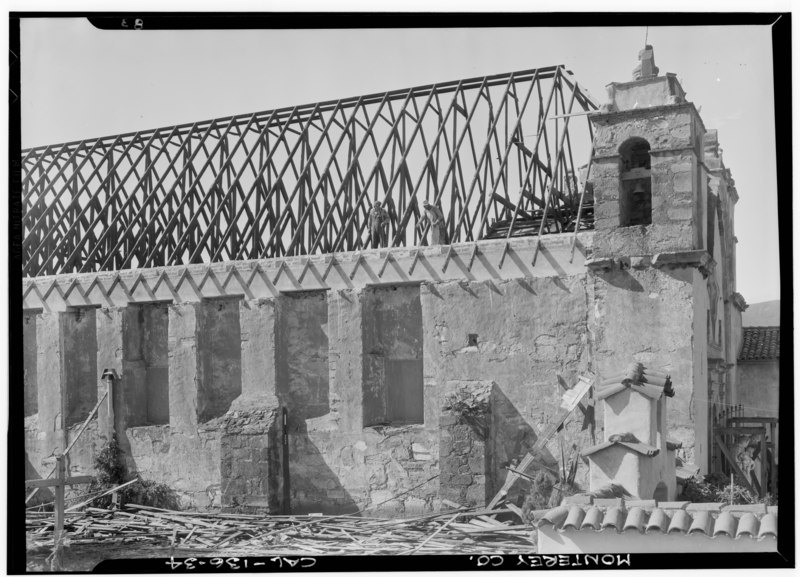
<point>39,483</point>
<point>72,443</point>
<point>542,440</point>
<point>59,504</point>
<point>753,420</point>
<point>733,464</point>
<point>739,430</point>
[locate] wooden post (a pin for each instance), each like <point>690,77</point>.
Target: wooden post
<point>110,401</point>
<point>59,491</point>
<point>285,461</point>
<point>764,464</point>
<point>773,471</point>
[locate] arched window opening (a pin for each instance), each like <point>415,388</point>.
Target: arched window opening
<point>635,200</point>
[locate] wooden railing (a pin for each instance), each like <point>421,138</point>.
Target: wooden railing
<point>494,153</point>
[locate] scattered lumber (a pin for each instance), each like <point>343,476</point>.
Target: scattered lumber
<point>465,530</point>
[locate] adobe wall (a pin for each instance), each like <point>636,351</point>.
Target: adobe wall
<point>236,358</point>
<point>759,390</point>
<point>654,316</point>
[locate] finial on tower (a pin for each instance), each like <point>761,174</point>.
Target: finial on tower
<point>647,64</point>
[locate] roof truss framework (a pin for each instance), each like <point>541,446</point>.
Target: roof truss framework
<point>495,153</point>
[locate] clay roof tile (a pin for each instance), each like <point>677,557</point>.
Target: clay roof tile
<point>614,517</point>
<point>748,525</point>
<point>769,526</point>
<point>760,343</point>
<point>555,517</point>
<point>701,523</point>
<point>725,525</point>
<point>574,518</point>
<point>680,523</point>
<point>635,519</point>
<point>659,521</point>
<point>708,519</point>
<point>593,519</point>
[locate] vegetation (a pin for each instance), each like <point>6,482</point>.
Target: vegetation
<point>716,488</point>
<point>471,407</point>
<point>111,472</point>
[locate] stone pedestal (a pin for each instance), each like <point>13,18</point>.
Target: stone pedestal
<point>251,469</point>
<point>464,444</point>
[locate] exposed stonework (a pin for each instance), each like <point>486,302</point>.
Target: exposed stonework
<point>465,444</point>
<point>250,451</point>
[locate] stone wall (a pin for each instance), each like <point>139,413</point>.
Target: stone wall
<point>392,345</point>
<point>465,442</point>
<point>303,354</point>
<point>648,315</point>
<point>759,387</point>
<point>147,365</point>
<point>220,336</point>
<point>29,363</point>
<point>529,333</point>
<point>359,349</point>
<point>80,364</point>
<point>344,472</point>
<point>678,193</point>
<point>233,363</point>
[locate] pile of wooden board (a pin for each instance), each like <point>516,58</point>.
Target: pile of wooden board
<point>463,531</point>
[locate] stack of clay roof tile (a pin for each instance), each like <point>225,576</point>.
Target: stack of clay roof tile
<point>648,382</point>
<point>710,519</point>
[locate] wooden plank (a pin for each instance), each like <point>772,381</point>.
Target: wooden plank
<point>541,131</point>
<point>764,463</point>
<point>55,482</point>
<point>59,504</point>
<point>754,420</point>
<point>538,446</point>
<point>109,492</point>
<point>72,443</point>
<point>739,430</point>
<point>559,153</point>
<point>421,545</point>
<point>732,463</point>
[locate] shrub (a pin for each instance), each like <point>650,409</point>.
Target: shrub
<point>716,488</point>
<point>471,407</point>
<point>110,471</point>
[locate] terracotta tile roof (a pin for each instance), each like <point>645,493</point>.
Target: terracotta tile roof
<point>760,344</point>
<point>648,517</point>
<point>638,378</point>
<point>643,448</point>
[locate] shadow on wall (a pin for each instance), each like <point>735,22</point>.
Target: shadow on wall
<point>303,388</point>
<point>222,361</point>
<point>512,437</point>
<point>313,486</point>
<point>44,494</point>
<point>302,356</point>
<point>621,279</point>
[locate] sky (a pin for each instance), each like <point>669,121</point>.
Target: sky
<point>79,82</point>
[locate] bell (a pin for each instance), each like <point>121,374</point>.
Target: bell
<point>638,188</point>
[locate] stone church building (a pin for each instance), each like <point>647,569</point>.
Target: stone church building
<point>320,384</point>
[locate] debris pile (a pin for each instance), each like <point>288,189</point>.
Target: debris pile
<point>465,531</point>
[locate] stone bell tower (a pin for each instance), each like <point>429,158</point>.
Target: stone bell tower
<point>649,256</point>
<point>649,194</point>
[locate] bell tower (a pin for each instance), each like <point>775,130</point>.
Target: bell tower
<point>649,193</point>
<point>651,255</point>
